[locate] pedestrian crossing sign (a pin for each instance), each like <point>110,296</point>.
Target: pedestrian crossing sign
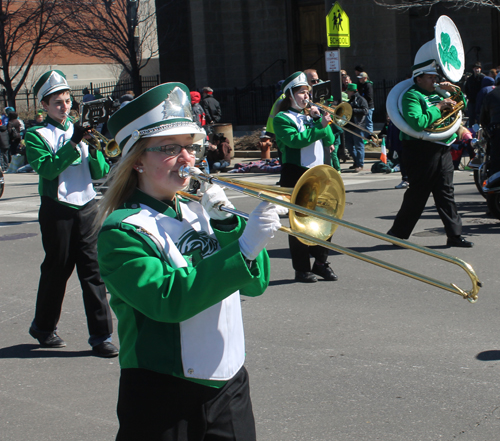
<point>337,27</point>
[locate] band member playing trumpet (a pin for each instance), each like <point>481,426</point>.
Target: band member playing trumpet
<point>175,270</point>
<point>66,167</point>
<point>429,164</point>
<point>305,140</point>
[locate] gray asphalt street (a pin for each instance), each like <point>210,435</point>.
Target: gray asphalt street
<point>373,356</point>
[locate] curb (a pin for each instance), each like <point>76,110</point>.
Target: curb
<point>255,154</point>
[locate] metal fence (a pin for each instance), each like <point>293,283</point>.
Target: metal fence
<point>251,105</point>
<point>240,106</point>
<point>26,101</point>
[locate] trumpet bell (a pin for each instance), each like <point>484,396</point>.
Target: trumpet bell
<point>112,149</point>
<point>320,189</point>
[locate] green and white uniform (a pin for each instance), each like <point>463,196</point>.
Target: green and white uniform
<point>302,140</point>
<point>175,279</point>
<point>65,172</point>
<point>420,111</point>
<point>65,217</point>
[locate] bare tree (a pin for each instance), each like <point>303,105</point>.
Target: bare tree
<point>28,28</point>
<point>457,4</point>
<point>120,31</point>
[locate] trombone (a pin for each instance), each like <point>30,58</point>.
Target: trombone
<point>316,205</point>
<point>111,148</point>
<point>341,116</point>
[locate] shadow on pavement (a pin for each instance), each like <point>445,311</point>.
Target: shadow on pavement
<point>35,351</point>
<point>488,356</point>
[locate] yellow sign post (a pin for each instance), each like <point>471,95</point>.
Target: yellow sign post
<point>337,27</point>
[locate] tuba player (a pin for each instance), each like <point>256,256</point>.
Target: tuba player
<point>429,164</point>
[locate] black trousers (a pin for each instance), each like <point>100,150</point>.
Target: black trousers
<point>68,240</point>
<point>430,170</point>
<point>160,407</point>
<point>300,252</point>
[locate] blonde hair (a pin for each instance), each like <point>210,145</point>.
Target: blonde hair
<point>122,183</point>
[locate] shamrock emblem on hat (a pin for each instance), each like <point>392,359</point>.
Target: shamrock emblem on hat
<point>448,52</point>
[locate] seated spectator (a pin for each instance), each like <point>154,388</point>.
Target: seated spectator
<point>265,145</point>
<point>219,153</point>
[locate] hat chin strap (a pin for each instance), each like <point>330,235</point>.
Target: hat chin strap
<point>295,102</point>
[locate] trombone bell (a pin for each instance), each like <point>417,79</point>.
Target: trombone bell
<point>321,190</point>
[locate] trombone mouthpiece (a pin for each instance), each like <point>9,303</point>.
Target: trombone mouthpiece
<point>184,171</point>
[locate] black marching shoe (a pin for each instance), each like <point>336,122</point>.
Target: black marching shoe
<point>325,271</point>
<point>47,341</point>
<point>459,241</point>
<point>105,350</point>
<point>305,277</point>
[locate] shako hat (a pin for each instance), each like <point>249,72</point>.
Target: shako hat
<point>295,80</point>
<point>164,110</point>
<point>50,82</point>
<point>427,67</point>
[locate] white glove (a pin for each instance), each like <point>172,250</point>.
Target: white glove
<point>263,222</point>
<point>213,197</point>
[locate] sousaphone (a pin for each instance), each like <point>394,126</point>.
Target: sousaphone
<point>448,52</point>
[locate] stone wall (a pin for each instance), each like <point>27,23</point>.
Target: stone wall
<point>227,43</point>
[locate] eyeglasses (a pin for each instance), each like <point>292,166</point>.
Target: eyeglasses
<point>315,81</point>
<point>175,149</point>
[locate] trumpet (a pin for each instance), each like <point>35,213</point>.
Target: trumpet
<point>316,205</point>
<point>111,148</point>
<point>341,116</point>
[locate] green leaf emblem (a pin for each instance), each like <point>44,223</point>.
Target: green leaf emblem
<point>448,53</point>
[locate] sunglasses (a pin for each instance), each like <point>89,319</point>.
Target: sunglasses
<point>175,149</point>
<point>315,81</point>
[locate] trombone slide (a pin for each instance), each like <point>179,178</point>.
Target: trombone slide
<point>262,193</point>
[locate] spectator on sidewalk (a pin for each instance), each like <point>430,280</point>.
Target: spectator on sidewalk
<point>198,112</point>
<point>211,106</point>
<point>355,144</point>
<point>365,89</point>
<point>87,96</point>
<point>471,89</point>
<point>4,148</point>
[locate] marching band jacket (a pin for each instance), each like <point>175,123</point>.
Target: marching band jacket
<point>65,172</point>
<point>302,140</point>
<point>175,279</point>
<point>420,111</point>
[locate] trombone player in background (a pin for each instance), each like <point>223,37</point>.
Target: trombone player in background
<point>429,164</point>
